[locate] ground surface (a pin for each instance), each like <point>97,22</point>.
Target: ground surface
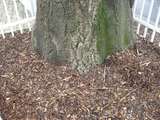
<point>125,87</point>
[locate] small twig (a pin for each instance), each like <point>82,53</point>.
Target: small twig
<point>149,117</point>
<point>145,63</point>
<point>67,78</point>
<point>123,98</point>
<point>137,52</point>
<point>104,74</point>
<point>103,88</point>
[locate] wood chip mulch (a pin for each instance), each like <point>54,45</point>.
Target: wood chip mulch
<point>125,87</point>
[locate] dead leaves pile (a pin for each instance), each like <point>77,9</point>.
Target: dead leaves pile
<point>126,87</point>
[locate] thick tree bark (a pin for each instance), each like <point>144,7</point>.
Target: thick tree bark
<point>82,32</point>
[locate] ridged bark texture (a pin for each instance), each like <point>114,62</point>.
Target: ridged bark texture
<point>81,32</point>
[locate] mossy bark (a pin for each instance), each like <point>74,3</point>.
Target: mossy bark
<point>113,26</point>
<point>82,32</point>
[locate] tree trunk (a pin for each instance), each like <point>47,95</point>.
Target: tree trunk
<point>82,32</point>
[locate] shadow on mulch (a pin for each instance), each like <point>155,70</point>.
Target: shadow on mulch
<point>126,87</point>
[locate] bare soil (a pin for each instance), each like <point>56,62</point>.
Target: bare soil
<point>125,87</point>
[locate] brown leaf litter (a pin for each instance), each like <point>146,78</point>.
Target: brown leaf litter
<point>125,87</point>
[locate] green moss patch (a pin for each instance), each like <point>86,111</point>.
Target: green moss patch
<point>112,27</point>
<point>105,31</point>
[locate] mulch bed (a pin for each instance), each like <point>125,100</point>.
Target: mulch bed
<point>125,87</point>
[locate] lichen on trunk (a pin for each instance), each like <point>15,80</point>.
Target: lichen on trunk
<point>81,32</point>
